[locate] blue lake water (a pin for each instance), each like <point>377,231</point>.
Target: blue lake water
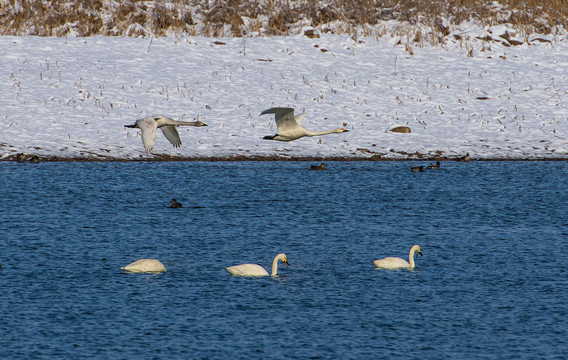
<point>492,283</point>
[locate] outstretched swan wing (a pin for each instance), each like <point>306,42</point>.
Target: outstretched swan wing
<point>300,118</point>
<point>284,118</point>
<point>171,134</point>
<point>148,127</point>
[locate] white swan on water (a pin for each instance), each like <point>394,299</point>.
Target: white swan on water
<point>290,126</point>
<point>145,265</point>
<point>257,270</point>
<point>149,124</point>
<point>397,263</point>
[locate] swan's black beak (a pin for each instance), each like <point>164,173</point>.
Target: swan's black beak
<point>420,252</point>
<point>286,262</point>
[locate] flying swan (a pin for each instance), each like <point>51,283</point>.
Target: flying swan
<point>145,265</point>
<point>149,124</point>
<point>290,126</point>
<point>257,270</point>
<point>397,263</point>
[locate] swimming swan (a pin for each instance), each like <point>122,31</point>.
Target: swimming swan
<point>149,124</point>
<point>257,270</point>
<point>397,263</point>
<point>290,126</point>
<point>145,265</point>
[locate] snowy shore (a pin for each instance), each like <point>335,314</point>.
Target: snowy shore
<point>69,98</point>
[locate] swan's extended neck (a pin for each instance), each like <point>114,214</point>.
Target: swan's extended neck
<point>411,258</point>
<point>275,266</point>
<point>187,123</point>
<point>275,263</point>
<point>412,255</point>
<point>317,133</point>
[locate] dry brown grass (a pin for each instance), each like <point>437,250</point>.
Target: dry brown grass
<point>272,17</point>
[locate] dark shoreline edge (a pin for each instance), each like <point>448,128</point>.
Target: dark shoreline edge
<point>163,157</point>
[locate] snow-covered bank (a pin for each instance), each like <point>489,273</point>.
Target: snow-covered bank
<point>70,97</point>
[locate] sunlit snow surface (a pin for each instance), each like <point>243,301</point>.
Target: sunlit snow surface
<point>71,97</point>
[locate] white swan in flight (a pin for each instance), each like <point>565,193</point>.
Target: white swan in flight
<point>397,263</point>
<point>257,270</point>
<point>290,126</point>
<point>145,265</point>
<point>149,124</point>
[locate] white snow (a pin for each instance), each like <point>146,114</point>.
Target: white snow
<point>70,97</point>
